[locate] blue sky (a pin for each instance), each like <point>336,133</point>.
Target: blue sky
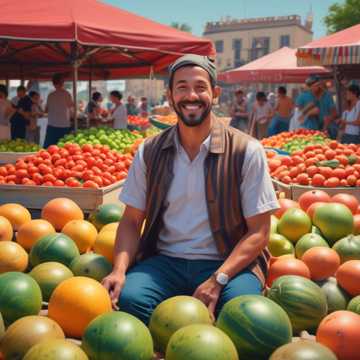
<point>197,12</point>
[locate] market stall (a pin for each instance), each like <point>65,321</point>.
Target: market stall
<point>278,67</point>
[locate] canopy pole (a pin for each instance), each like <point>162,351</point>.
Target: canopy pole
<point>75,80</point>
<point>337,81</point>
<point>90,82</point>
<point>7,84</point>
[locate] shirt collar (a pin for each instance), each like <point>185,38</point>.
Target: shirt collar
<point>215,142</point>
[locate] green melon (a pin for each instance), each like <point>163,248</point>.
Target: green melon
<point>354,305</point>
<point>302,299</point>
<point>55,350</point>
<point>200,342</point>
<point>334,221</point>
<point>49,275</point>
<point>117,335</point>
<point>256,325</point>
<point>336,297</point>
<point>303,350</point>
<point>307,242</point>
<point>20,295</point>
<point>91,265</point>
<point>26,332</point>
<point>348,248</point>
<point>109,213</point>
<point>274,224</point>
<point>173,314</point>
<point>54,247</point>
<point>2,327</point>
<point>279,245</point>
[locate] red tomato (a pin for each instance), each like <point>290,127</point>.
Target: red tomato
<point>52,149</point>
<point>47,183</point>
<point>98,180</point>
<point>59,183</point>
<point>318,180</point>
<point>90,184</point>
<point>87,148</point>
<point>312,170</point>
<point>351,180</point>
<point>348,200</point>
<point>21,173</point>
<point>49,177</point>
<point>326,171</point>
<point>339,173</point>
<point>72,182</point>
<point>38,178</point>
<point>303,179</point>
<point>3,171</point>
<point>330,154</point>
<point>332,182</point>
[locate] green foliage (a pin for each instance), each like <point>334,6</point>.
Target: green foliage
<point>343,15</point>
<point>181,26</point>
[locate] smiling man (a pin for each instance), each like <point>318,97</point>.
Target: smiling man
<point>206,195</point>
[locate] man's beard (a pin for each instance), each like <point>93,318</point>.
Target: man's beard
<point>192,121</point>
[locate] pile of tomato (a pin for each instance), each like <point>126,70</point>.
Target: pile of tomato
<point>138,121</point>
<point>88,166</point>
<point>280,140</point>
<point>332,165</point>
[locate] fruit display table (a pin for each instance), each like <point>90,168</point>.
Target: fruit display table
<point>34,197</point>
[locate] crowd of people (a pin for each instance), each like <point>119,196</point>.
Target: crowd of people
<point>19,115</point>
<point>314,108</point>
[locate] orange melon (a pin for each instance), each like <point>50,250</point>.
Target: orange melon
<point>12,257</point>
<point>82,232</point>
<point>17,214</point>
<point>6,230</point>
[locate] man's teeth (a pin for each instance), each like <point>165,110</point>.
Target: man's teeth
<point>192,107</point>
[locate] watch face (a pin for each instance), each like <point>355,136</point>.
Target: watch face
<point>222,278</point>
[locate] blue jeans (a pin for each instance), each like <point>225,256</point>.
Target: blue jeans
<point>278,125</point>
<point>160,277</point>
<point>54,134</point>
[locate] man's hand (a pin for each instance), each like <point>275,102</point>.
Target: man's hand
<point>209,292</point>
<point>114,283</point>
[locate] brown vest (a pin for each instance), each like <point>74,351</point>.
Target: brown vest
<point>223,178</point>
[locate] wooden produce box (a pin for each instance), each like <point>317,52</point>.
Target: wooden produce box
<point>35,197</point>
<point>11,157</point>
<point>295,191</point>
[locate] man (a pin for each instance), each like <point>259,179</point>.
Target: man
<point>59,108</point>
<point>131,106</point>
<point>33,130</point>
<point>119,113</point>
<point>143,107</point>
<point>283,111</point>
<point>316,105</point>
<point>22,115</point>
<point>239,114</point>
<point>6,110</point>
<point>206,195</point>
<point>93,109</point>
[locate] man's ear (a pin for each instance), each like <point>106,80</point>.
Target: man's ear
<point>216,94</point>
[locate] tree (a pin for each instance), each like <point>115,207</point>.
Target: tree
<point>342,16</point>
<point>181,26</point>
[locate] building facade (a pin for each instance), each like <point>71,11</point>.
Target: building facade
<point>239,41</point>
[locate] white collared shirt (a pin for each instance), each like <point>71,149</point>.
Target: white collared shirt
<point>186,232</point>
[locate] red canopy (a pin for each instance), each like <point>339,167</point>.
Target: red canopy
<point>277,67</point>
<point>341,48</point>
<point>41,37</point>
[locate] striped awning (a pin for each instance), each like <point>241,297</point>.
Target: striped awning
<point>342,48</point>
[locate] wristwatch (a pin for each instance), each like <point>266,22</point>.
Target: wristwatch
<point>221,278</point>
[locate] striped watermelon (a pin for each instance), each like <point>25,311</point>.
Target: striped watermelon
<point>54,247</point>
<point>2,327</point>
<point>302,299</point>
<point>354,305</point>
<point>200,341</point>
<point>256,325</point>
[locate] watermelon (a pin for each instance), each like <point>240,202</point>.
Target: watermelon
<point>274,224</point>
<point>54,247</point>
<point>307,242</point>
<point>198,342</point>
<point>55,349</point>
<point>303,350</point>
<point>173,314</point>
<point>354,305</point>
<point>256,325</point>
<point>2,327</point>
<point>91,265</point>
<point>26,332</point>
<point>117,335</point>
<point>20,295</point>
<point>302,299</point>
<point>336,297</point>
<point>109,213</point>
<point>49,275</point>
<point>348,248</point>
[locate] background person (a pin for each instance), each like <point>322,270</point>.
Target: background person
<point>131,107</point>
<point>93,108</point>
<point>33,130</point>
<point>238,112</point>
<point>6,110</point>
<point>59,107</point>
<point>119,113</point>
<point>144,107</point>
<point>284,109</point>
<point>20,93</point>
<point>260,116</point>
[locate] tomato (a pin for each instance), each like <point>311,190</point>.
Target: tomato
<point>310,154</point>
<point>47,183</point>
<point>55,158</point>
<point>87,148</point>
<point>333,145</point>
<point>321,157</point>
<point>326,171</point>
<point>59,182</point>
<point>38,178</point>
<point>349,170</point>
<point>60,162</point>
<point>21,173</point>
<point>109,161</point>
<point>107,182</point>
<point>52,149</point>
<point>318,180</point>
<point>20,164</point>
<point>49,177</point>
<point>44,169</point>
<point>98,180</point>
<point>122,175</point>
<point>72,182</point>
<point>312,170</point>
<point>96,170</point>
<point>330,154</point>
<point>77,158</point>
<point>344,183</point>
<point>339,173</point>
<point>128,163</point>
<point>301,167</point>
<point>64,153</point>
<point>303,179</point>
<point>332,182</point>
<point>69,164</point>
<point>357,185</point>
<point>343,159</point>
<point>351,180</point>
<point>77,168</point>
<point>90,184</point>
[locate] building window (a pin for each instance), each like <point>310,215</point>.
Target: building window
<point>237,45</point>
<point>260,47</point>
<point>284,40</point>
<point>219,46</point>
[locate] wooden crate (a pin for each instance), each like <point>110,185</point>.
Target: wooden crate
<point>11,157</point>
<point>35,197</point>
<point>295,191</point>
